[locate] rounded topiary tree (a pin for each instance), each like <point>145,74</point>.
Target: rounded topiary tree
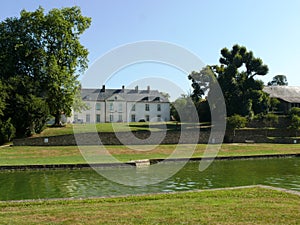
<point>235,122</point>
<point>295,119</point>
<point>295,123</point>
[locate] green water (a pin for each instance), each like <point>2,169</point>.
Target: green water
<point>283,172</point>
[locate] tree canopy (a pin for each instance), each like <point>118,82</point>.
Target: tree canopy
<point>40,60</point>
<point>278,80</point>
<point>236,76</point>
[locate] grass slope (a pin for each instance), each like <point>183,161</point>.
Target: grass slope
<point>27,155</point>
<point>116,127</point>
<point>239,206</point>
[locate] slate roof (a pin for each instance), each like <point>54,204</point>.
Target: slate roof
<point>129,95</point>
<point>287,93</point>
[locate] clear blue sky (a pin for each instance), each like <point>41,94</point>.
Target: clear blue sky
<point>271,29</point>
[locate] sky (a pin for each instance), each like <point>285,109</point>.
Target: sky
<point>269,28</point>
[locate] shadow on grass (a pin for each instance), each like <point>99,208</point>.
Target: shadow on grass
<point>170,126</point>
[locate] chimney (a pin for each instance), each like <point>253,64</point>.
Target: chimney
<point>136,88</point>
<point>148,89</point>
<point>103,88</point>
<point>123,88</point>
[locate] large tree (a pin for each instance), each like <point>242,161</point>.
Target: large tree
<point>236,76</point>
<point>40,60</point>
<point>278,80</point>
<point>66,58</point>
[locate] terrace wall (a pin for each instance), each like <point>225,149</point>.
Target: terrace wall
<point>170,137</point>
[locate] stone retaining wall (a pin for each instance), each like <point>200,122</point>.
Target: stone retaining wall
<point>170,137</point>
<point>119,138</point>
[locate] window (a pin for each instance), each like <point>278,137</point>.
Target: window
<point>133,108</point>
<point>87,118</point>
<point>120,118</point>
<point>111,106</point>
<point>158,107</point>
<point>111,117</point>
<point>146,107</point>
<point>120,107</point>
<point>133,118</point>
<point>97,118</point>
<point>98,106</point>
<point>147,118</point>
<point>295,105</point>
<point>158,117</point>
<point>75,117</point>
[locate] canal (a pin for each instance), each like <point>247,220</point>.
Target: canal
<point>40,184</point>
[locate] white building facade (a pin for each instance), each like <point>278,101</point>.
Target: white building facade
<point>122,105</point>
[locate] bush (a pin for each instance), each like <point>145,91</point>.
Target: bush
<point>7,131</point>
<point>236,121</point>
<point>295,122</point>
<point>270,120</point>
<point>295,111</point>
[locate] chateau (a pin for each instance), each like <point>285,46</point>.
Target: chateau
<point>122,105</point>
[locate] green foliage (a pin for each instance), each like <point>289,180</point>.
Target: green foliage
<point>165,95</point>
<point>295,122</point>
<point>295,119</point>
<point>40,60</point>
<point>278,80</point>
<point>65,56</point>
<point>7,131</point>
<point>78,104</point>
<point>29,114</point>
<point>295,111</point>
<point>203,110</point>
<point>242,93</point>
<point>236,121</point>
<point>3,97</point>
<point>273,104</point>
<point>201,82</point>
<point>270,120</point>
<point>238,85</point>
<point>184,110</point>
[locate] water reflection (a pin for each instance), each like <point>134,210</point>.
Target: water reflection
<point>87,183</point>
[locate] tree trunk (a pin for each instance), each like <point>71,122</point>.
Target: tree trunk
<point>57,120</point>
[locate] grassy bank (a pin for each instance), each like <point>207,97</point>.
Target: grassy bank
<point>239,206</point>
<point>26,155</point>
<point>117,127</point>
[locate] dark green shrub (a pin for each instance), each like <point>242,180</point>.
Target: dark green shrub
<point>236,121</point>
<point>7,131</point>
<point>270,120</point>
<point>295,123</point>
<point>295,111</point>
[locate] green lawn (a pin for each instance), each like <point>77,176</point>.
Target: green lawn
<point>116,127</point>
<point>238,206</point>
<point>27,155</point>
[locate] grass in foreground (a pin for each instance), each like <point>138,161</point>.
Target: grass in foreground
<point>27,155</point>
<point>239,206</point>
